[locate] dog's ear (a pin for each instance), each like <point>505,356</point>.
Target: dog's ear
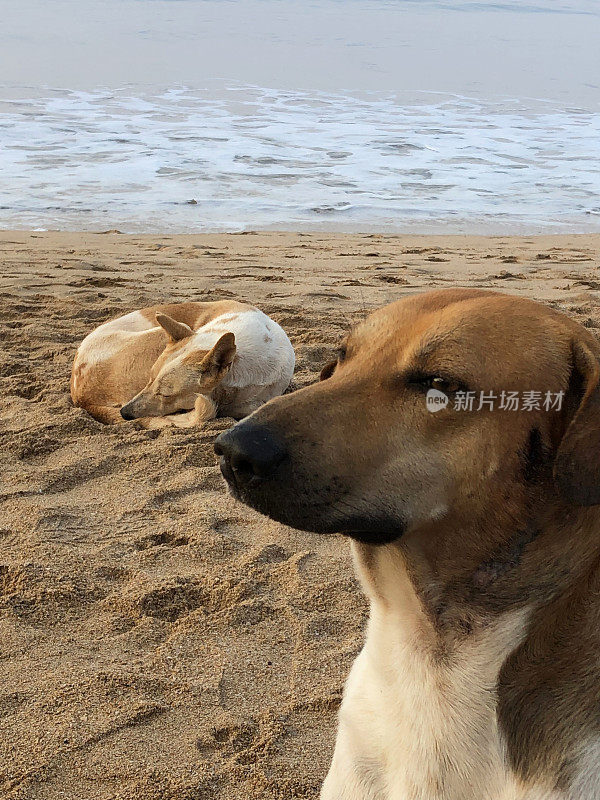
<point>176,331</point>
<point>220,358</point>
<point>577,463</point>
<point>328,370</point>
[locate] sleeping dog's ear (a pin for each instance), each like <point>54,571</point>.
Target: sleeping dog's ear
<point>219,360</point>
<point>328,370</point>
<point>577,463</point>
<point>174,330</point>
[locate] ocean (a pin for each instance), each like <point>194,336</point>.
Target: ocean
<point>350,115</point>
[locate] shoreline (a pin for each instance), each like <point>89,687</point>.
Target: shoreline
<point>158,640</point>
<point>288,232</point>
<point>448,227</point>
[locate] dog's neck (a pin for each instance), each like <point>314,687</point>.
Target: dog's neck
<point>499,563</point>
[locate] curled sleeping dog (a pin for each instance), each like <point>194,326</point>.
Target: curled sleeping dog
<point>475,535</point>
<point>195,358</point>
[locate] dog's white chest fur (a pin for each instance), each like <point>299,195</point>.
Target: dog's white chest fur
<point>414,726</point>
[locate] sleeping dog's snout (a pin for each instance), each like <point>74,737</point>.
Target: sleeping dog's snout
<point>249,453</point>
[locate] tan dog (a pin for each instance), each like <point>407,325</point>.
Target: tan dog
<point>476,536</point>
<point>195,358</point>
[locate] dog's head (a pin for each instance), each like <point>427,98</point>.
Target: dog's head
<point>181,372</point>
<point>388,441</point>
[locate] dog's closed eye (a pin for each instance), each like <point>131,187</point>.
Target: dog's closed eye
<point>165,390</point>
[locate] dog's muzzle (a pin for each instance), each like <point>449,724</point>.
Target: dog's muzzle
<point>261,472</point>
<point>259,469</point>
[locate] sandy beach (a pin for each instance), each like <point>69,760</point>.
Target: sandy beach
<point>159,641</point>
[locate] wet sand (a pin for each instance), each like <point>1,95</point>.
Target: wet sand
<point>159,641</point>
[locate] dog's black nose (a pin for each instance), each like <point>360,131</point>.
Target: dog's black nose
<point>249,452</point>
<point>126,414</point>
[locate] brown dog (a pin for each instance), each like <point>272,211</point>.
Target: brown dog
<point>476,535</point>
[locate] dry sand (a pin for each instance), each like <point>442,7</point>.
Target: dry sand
<point>157,639</point>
